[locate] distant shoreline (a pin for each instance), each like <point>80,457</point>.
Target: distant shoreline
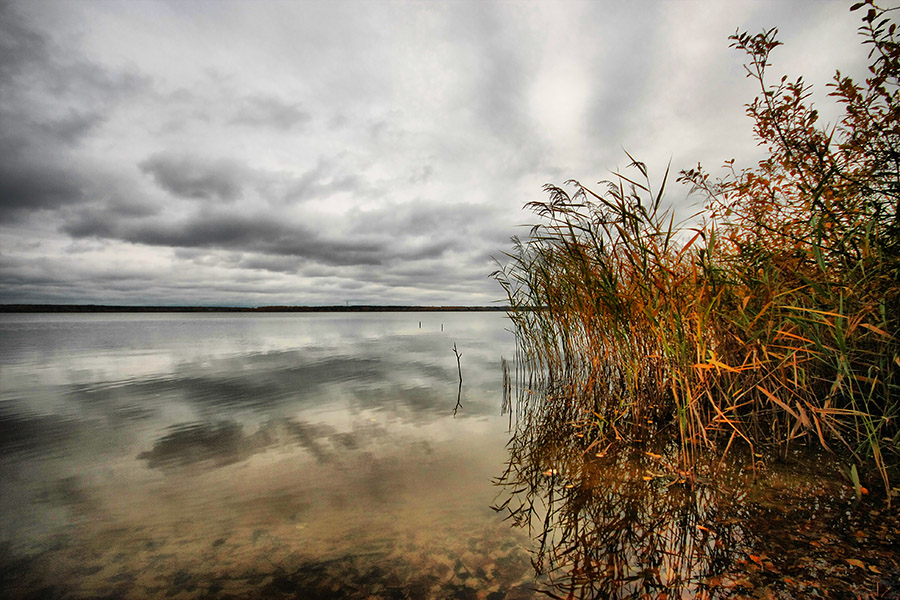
<point>102,308</point>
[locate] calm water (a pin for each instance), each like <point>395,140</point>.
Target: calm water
<point>338,456</point>
<point>273,455</point>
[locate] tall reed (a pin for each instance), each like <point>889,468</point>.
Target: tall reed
<point>770,317</point>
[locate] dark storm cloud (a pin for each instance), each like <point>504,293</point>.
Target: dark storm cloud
<point>192,177</point>
<point>25,180</point>
<point>267,111</point>
<point>27,184</point>
<point>73,127</point>
<point>49,103</point>
<point>259,233</point>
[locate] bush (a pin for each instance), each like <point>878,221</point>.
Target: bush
<point>771,316</point>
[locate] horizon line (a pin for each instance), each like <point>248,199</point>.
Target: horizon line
<point>86,308</point>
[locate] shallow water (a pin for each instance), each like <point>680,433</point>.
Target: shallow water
<point>617,519</point>
<point>272,455</point>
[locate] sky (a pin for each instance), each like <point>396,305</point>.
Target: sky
<point>255,153</point>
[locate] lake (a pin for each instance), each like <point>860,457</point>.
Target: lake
<point>266,455</point>
<point>338,455</point>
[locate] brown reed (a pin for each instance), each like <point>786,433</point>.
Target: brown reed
<point>771,317</point>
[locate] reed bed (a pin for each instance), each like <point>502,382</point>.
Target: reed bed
<point>769,318</point>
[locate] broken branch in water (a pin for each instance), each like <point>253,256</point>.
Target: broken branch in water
<point>458,356</point>
<point>459,391</point>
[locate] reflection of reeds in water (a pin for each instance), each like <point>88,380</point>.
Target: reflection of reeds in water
<point>506,405</point>
<point>627,521</point>
<point>616,524</point>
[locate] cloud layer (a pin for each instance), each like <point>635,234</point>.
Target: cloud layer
<point>236,153</point>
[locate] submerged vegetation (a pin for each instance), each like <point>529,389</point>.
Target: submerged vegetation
<point>769,319</point>
<point>625,523</point>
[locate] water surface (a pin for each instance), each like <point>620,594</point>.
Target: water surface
<point>266,455</point>
<point>277,455</point>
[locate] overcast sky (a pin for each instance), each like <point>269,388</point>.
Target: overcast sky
<point>258,152</point>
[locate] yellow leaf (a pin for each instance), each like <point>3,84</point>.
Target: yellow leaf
<point>720,365</point>
<point>818,312</point>
<point>775,400</point>
<point>856,563</point>
<point>877,330</point>
<point>874,569</point>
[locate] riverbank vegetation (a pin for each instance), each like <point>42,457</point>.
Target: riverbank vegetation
<point>769,319</point>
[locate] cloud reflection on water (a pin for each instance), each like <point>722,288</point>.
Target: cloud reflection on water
<point>116,426</point>
<point>221,443</point>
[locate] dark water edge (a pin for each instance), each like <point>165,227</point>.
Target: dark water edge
<point>630,524</point>
<point>102,308</point>
<point>635,517</point>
